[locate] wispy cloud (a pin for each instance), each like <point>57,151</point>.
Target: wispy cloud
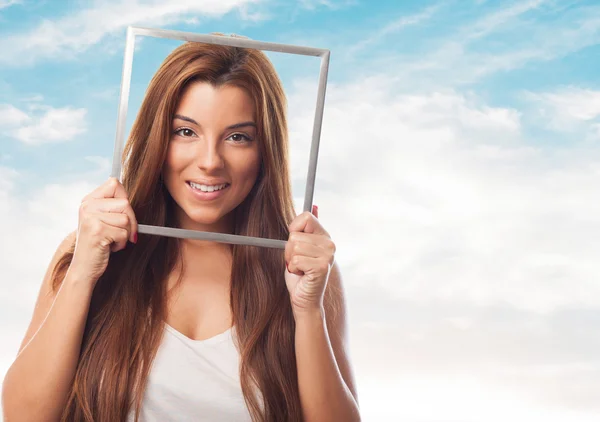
<point>499,18</point>
<point>103,164</point>
<point>523,33</point>
<point>330,4</point>
<point>75,33</point>
<point>7,3</point>
<point>568,109</point>
<point>45,125</point>
<point>570,102</point>
<point>395,26</point>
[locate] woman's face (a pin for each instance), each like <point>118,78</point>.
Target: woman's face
<point>213,157</point>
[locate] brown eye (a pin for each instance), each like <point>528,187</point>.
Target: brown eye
<point>239,138</point>
<point>185,132</point>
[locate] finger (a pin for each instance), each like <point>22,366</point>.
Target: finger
<point>115,229</point>
<point>114,205</point>
<point>121,205</point>
<point>301,265</point>
<point>106,205</point>
<point>307,223</point>
<point>120,240</point>
<point>315,211</point>
<point>112,188</point>
<point>303,248</point>
<point>320,245</point>
<point>101,190</point>
<point>118,191</point>
<point>323,241</point>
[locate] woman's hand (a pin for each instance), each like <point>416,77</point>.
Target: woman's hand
<point>106,223</point>
<point>309,255</point>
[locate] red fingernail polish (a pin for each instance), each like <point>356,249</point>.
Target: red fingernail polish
<point>135,238</point>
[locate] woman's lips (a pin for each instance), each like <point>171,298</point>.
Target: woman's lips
<point>207,196</point>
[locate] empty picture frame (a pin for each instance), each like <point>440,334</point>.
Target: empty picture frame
<point>234,42</point>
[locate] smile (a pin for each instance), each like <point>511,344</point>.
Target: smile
<point>207,188</point>
<point>207,192</point>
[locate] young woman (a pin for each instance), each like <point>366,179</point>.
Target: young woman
<point>168,329</point>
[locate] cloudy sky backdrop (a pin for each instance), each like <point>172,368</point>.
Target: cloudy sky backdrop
<point>459,175</point>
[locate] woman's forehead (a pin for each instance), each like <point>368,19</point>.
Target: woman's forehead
<point>204,101</point>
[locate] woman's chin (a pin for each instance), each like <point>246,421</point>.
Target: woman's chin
<point>204,221</point>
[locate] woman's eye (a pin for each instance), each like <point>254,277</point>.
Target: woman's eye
<point>238,138</point>
<point>185,132</point>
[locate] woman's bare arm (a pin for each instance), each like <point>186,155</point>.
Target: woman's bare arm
<point>325,378</point>
<point>36,385</point>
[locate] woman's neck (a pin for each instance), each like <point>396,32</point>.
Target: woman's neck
<point>203,258</point>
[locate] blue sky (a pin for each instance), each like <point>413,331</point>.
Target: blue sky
<point>84,72</point>
<point>459,175</point>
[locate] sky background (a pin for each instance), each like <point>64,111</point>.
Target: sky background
<point>459,176</point>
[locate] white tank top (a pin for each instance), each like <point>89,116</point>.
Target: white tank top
<point>194,380</point>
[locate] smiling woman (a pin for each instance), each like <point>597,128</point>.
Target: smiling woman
<point>181,329</point>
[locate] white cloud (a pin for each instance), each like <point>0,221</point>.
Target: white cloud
<point>569,110</point>
<point>567,105</point>
<point>75,33</point>
<point>519,39</point>
<point>415,398</point>
<point>34,217</point>
<point>56,125</point>
<point>106,94</point>
<point>452,200</point>
<point>394,26</point>
<point>34,100</point>
<point>50,126</point>
<point>330,4</point>
<point>549,361</point>
<point>499,18</point>
<point>469,253</point>
<point>103,164</point>
<point>7,3</point>
<point>11,116</point>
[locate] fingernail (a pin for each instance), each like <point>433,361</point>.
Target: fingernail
<point>135,238</point>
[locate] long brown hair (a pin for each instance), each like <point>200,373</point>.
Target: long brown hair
<point>127,312</point>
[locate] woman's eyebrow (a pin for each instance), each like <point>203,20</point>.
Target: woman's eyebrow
<point>235,126</point>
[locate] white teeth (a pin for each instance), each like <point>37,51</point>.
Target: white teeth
<point>207,188</point>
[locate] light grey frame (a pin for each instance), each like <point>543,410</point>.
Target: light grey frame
<point>234,42</point>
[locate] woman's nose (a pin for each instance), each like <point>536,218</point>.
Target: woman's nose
<point>209,156</point>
